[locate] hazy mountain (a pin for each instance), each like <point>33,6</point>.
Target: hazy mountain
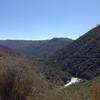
<point>6,50</point>
<point>82,57</point>
<point>39,48</point>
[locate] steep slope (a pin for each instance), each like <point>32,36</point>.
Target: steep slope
<point>82,57</point>
<point>36,48</point>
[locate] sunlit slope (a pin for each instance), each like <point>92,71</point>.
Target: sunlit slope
<point>87,90</point>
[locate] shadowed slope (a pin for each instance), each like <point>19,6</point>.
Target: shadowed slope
<point>82,57</point>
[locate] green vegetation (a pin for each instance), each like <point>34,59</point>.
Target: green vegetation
<point>87,90</point>
<point>81,58</point>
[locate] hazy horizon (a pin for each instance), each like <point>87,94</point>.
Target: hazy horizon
<point>45,19</point>
<point>36,39</point>
<point>45,38</point>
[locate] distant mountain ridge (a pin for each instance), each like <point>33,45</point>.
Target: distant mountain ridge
<point>38,48</point>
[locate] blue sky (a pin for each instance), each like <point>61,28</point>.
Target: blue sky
<point>45,19</point>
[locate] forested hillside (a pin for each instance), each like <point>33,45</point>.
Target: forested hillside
<point>81,58</point>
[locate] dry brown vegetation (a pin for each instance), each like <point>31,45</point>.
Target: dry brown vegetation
<point>20,81</point>
<point>84,91</point>
<point>96,92</point>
